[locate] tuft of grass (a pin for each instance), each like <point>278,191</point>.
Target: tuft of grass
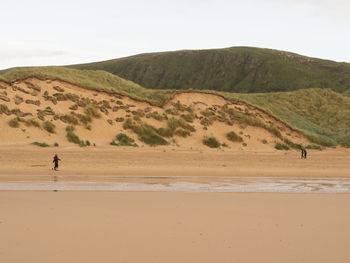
<point>14,123</point>
<point>211,142</point>
<point>281,146</point>
<point>146,133</point>
<point>123,140</point>
<point>4,109</point>
<point>40,144</point>
<point>234,137</point>
<point>72,137</point>
<point>32,122</point>
<point>92,111</point>
<point>49,127</point>
<point>55,144</point>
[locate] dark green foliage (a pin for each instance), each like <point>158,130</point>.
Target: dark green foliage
<point>55,144</point>
<point>232,136</point>
<point>40,144</point>
<point>236,69</point>
<point>281,146</point>
<point>211,142</point>
<point>49,126</point>
<point>123,140</point>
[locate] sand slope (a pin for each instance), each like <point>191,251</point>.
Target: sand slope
<point>115,109</point>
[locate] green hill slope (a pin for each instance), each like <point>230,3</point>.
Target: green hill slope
<point>236,69</point>
<point>95,80</point>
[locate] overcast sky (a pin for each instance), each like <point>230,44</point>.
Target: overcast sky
<point>59,32</point>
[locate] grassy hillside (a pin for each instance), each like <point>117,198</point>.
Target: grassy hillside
<point>236,69</point>
<point>96,80</point>
<point>322,113</point>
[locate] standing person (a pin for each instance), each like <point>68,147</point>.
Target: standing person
<point>305,153</point>
<point>55,160</point>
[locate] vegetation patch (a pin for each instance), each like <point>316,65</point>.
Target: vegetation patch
<point>72,137</point>
<point>234,137</point>
<point>49,127</point>
<point>40,144</point>
<point>314,147</point>
<point>14,123</point>
<point>211,142</point>
<point>123,140</point>
<point>92,111</point>
<point>281,146</point>
<point>32,123</point>
<point>146,133</point>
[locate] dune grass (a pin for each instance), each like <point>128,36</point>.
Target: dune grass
<point>123,140</point>
<point>40,144</point>
<point>322,114</point>
<point>234,137</point>
<point>211,142</point>
<point>49,127</point>
<point>90,79</point>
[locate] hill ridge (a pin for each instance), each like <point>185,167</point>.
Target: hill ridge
<point>235,69</point>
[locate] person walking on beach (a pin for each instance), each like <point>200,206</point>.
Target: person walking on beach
<point>55,160</point>
<point>303,153</point>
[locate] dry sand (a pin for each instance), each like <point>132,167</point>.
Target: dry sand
<point>166,161</point>
<point>173,227</point>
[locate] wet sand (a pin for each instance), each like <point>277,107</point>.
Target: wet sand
<point>173,227</point>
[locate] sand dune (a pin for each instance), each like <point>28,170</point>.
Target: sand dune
<point>33,96</point>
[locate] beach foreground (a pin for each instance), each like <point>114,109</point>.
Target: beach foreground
<point>173,227</point>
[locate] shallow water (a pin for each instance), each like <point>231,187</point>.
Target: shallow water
<point>177,184</point>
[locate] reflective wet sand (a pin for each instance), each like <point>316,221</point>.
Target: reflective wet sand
<point>176,184</point>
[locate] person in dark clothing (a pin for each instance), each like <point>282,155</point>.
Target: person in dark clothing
<point>55,160</point>
<point>303,153</point>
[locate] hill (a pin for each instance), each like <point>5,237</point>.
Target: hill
<point>321,114</point>
<point>236,69</point>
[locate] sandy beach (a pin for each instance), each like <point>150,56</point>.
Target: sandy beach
<point>173,227</point>
<point>99,226</point>
<point>30,160</point>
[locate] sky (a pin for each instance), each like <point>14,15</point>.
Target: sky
<point>61,32</point>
